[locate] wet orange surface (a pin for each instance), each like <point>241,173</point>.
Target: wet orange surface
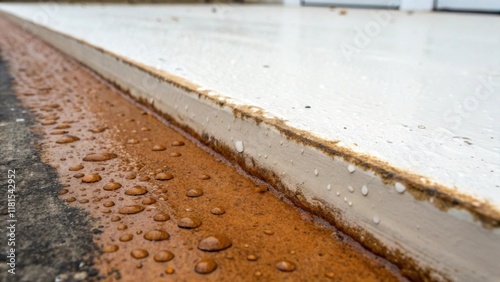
<point>167,208</point>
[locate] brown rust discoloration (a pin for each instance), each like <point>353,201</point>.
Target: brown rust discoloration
<point>444,197</point>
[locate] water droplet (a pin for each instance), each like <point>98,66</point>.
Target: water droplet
<point>126,237</point>
<point>99,157</point>
<point>421,126</point>
<point>177,143</point>
<point>268,232</point>
<point>205,266</point>
<point>161,217</point>
<point>163,256</point>
<point>70,199</point>
<point>136,191</point>
<point>110,249</point>
<point>131,209</point>
<point>162,176</point>
<point>239,146</point>
<point>218,211</point>
<point>350,188</point>
<point>115,218</point>
<point>351,168</point>
<point>286,266</point>
<point>79,175</point>
<point>122,227</point>
<point>139,253</point>
<point>109,204</point>
<point>217,242</point>
<point>63,191</point>
<point>97,130</point>
<point>112,186</point>
<point>156,235</point>
<point>131,176</point>
<point>159,148</point>
<point>67,139</point>
<point>252,257</point>
<point>132,141</point>
<point>169,270</point>
<point>329,187</point>
<point>338,193</point>
<point>204,177</point>
<point>91,178</point>
<point>148,201</point>
<point>330,275</point>
<point>76,167</point>
<point>364,190</point>
<point>174,154</point>
<point>144,178</point>
<point>316,172</point>
<point>400,188</point>
<point>376,219</point>
<point>195,192</point>
<point>189,222</point>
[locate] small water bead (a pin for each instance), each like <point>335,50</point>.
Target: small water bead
<point>216,242</point>
<point>156,235</point>
<point>91,178</point>
<point>112,186</point>
<point>148,201</point>
<point>163,256</point>
<point>189,222</point>
<point>76,167</point>
<point>67,139</point>
<point>99,157</point>
<point>351,168</point>
<point>364,190</point>
<point>161,217</point>
<point>144,178</point>
<point>110,249</point>
<point>159,148</point>
<point>218,211</point>
<point>162,176</point>
<point>132,209</point>
<point>136,191</point>
<point>285,266</point>
<point>195,192</point>
<point>126,237</point>
<point>205,266</point>
<point>400,188</point>
<point>139,253</point>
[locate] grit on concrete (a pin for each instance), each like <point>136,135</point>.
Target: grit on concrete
<point>51,238</point>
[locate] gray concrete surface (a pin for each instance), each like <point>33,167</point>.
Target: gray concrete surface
<point>53,242</point>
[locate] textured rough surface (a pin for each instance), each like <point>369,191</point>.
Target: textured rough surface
<point>46,227</point>
<point>257,222</point>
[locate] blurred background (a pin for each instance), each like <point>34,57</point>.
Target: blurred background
<point>477,6</point>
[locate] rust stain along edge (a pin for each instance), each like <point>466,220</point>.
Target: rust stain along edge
<point>431,232</point>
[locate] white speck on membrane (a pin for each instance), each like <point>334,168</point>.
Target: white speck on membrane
<point>345,199</point>
<point>350,203</point>
<point>350,188</point>
<point>328,187</point>
<point>351,168</point>
<point>364,190</point>
<point>19,119</point>
<point>400,188</point>
<point>338,193</point>
<point>239,146</point>
<point>316,172</point>
<point>376,219</point>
